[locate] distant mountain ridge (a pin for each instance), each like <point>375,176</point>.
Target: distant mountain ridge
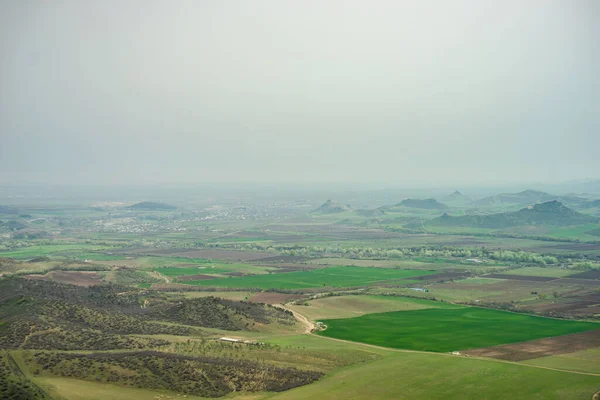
<point>330,207</point>
<point>429,204</point>
<point>370,212</point>
<point>456,199</point>
<point>525,197</point>
<point>551,213</point>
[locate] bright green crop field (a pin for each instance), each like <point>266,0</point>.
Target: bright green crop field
<point>331,277</point>
<point>444,330</point>
<point>46,250</point>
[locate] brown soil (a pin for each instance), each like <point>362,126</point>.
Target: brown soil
<point>79,278</point>
<point>588,304</point>
<point>274,298</point>
<point>443,276</point>
<point>592,274</point>
<point>540,347</point>
<point>575,246</point>
<point>585,283</point>
<point>280,259</point>
<point>520,277</point>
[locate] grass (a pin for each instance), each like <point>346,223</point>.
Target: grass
<point>45,250</point>
<point>329,277</point>
<point>575,232</point>
<point>581,361</point>
<point>433,376</point>
<point>75,389</point>
<point>444,330</point>
<point>353,306</point>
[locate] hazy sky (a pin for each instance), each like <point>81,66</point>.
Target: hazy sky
<point>399,92</point>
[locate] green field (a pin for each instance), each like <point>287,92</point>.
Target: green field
<point>550,272</point>
<point>444,330</point>
<point>329,277</point>
<point>46,250</point>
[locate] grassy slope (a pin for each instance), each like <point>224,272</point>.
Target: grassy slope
<point>445,330</point>
<point>334,276</point>
<point>354,306</point>
<point>390,374</point>
<point>582,361</point>
<point>429,376</point>
<point>76,389</point>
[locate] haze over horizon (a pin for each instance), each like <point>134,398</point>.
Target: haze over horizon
<point>405,93</point>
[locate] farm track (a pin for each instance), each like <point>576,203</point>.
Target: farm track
<point>306,322</point>
<point>158,275</point>
<point>308,325</point>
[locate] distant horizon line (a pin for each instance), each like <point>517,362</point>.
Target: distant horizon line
<point>338,184</point>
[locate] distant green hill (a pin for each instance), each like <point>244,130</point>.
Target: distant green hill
<point>330,207</point>
<point>428,204</point>
<point>551,213</point>
<point>456,199</point>
<point>150,205</point>
<point>370,212</point>
<point>524,197</point>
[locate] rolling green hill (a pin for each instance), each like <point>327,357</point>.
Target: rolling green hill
<point>427,204</point>
<point>456,199</point>
<point>529,197</point>
<point>551,213</point>
<point>370,212</point>
<point>524,197</point>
